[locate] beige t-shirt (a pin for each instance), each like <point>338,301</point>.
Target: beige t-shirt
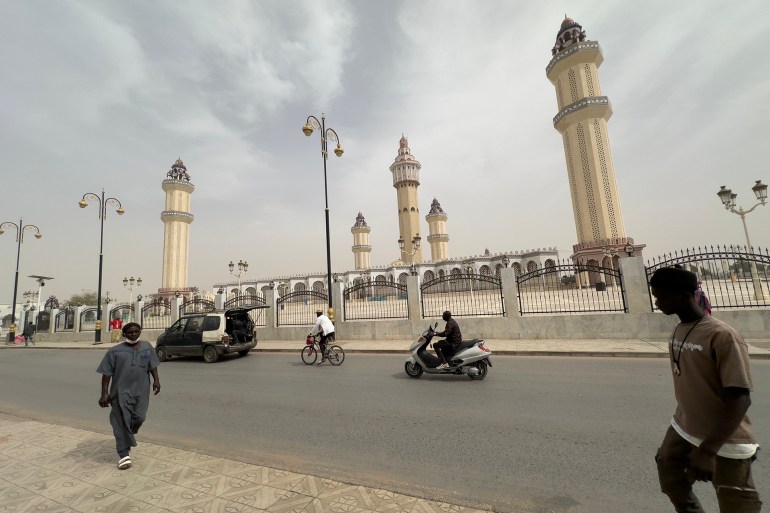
<point>714,356</point>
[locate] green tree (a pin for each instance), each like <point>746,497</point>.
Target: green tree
<point>86,297</point>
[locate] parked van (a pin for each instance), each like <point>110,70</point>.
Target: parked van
<point>209,335</point>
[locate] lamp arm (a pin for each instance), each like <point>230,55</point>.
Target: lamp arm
<point>332,135</point>
<point>313,121</point>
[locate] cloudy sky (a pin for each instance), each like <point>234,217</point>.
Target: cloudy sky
<point>108,94</point>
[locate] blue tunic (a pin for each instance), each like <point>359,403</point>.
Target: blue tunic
<point>129,367</point>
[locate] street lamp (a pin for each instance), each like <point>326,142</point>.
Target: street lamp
<point>728,200</point>
<point>470,269</point>
<point>629,249</point>
<point>103,202</point>
<point>506,261</point>
<point>243,268</point>
<point>128,283</point>
<point>20,229</point>
<point>40,284</point>
<point>326,133</point>
<point>415,245</point>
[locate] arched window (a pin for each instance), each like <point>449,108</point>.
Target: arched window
<point>455,271</point>
<point>299,287</point>
<point>484,269</point>
<point>402,278</point>
<point>428,276</point>
<point>441,273</point>
<point>498,269</point>
<point>251,291</point>
<point>531,266</point>
<point>550,263</point>
<point>318,286</point>
<point>517,268</point>
<point>264,290</point>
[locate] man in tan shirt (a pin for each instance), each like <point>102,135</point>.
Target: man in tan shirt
<point>710,437</point>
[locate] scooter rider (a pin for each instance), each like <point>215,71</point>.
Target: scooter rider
<point>446,348</point>
<point>325,327</point>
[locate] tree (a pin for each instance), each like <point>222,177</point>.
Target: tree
<point>86,298</point>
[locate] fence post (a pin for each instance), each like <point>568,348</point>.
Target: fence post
<point>510,292</point>
<point>634,278</point>
<point>336,292</point>
<point>137,313</point>
<point>413,297</point>
<point>76,320</point>
<point>105,322</point>
<point>270,315</point>
<point>176,302</point>
<point>52,323</point>
<point>219,302</point>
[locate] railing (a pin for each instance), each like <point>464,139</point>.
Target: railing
<point>65,320</point>
<point>197,305</point>
<point>298,308</point>
<point>464,295</point>
<point>155,315</point>
<point>258,316</point>
<point>123,312</point>
<point>730,276</point>
<point>570,288</point>
<point>372,300</point>
<point>88,319</point>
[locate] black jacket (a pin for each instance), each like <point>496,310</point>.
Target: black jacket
<point>452,332</point>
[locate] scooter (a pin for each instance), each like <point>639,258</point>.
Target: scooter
<point>471,358</point>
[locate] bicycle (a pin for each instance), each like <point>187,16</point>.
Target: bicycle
<point>334,353</point>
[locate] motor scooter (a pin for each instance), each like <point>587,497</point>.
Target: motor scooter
<point>471,358</point>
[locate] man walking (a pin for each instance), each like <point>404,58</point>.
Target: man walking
<point>710,437</point>
<point>28,333</point>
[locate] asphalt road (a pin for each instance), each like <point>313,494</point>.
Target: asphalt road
<point>540,434</point>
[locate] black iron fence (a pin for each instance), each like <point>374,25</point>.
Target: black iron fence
<point>155,315</point>
<point>65,320</point>
<point>197,305</point>
<point>88,319</point>
<point>570,288</point>
<point>298,308</point>
<point>123,312</point>
<point>258,315</point>
<point>375,300</point>
<point>730,276</point>
<point>465,295</point>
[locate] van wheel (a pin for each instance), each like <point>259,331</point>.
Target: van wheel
<point>162,354</point>
<point>210,354</point>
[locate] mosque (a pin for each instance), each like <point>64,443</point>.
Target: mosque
<point>583,112</point>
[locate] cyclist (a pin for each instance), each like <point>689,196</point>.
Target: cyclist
<point>324,326</point>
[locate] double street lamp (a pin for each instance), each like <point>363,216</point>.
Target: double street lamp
<point>20,229</point>
<point>243,268</point>
<point>415,245</point>
<point>103,202</point>
<point>728,200</point>
<point>128,283</point>
<point>326,134</point>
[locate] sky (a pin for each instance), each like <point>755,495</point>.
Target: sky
<point>107,95</point>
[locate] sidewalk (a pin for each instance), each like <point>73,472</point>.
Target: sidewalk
<point>758,349</point>
<point>58,469</point>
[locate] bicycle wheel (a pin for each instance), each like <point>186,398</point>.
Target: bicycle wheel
<point>335,355</point>
<point>309,355</point>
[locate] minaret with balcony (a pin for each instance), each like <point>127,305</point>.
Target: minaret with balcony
<point>176,231</point>
<point>438,238</point>
<point>406,180</point>
<point>582,121</point>
<point>361,248</point>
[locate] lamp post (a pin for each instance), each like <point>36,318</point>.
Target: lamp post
<point>415,244</point>
<point>243,267</point>
<point>128,283</point>
<point>326,133</point>
<point>728,200</point>
<point>103,202</point>
<point>20,229</point>
<point>40,284</point>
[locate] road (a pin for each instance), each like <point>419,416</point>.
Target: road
<point>540,434</point>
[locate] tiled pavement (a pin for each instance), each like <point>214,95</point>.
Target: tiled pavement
<point>52,468</point>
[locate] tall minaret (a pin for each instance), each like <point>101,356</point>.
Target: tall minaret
<point>406,179</point>
<point>582,121</point>
<point>176,230</point>
<point>361,248</point>
<point>438,238</point>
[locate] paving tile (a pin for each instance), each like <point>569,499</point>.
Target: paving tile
<point>15,499</point>
<point>386,501</point>
<point>290,503</point>
<point>339,504</point>
<point>42,504</point>
<point>216,484</point>
<point>261,496</point>
<point>214,505</point>
<point>168,496</point>
<point>151,467</point>
<point>181,474</point>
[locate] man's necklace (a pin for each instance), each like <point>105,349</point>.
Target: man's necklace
<point>676,358</point>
